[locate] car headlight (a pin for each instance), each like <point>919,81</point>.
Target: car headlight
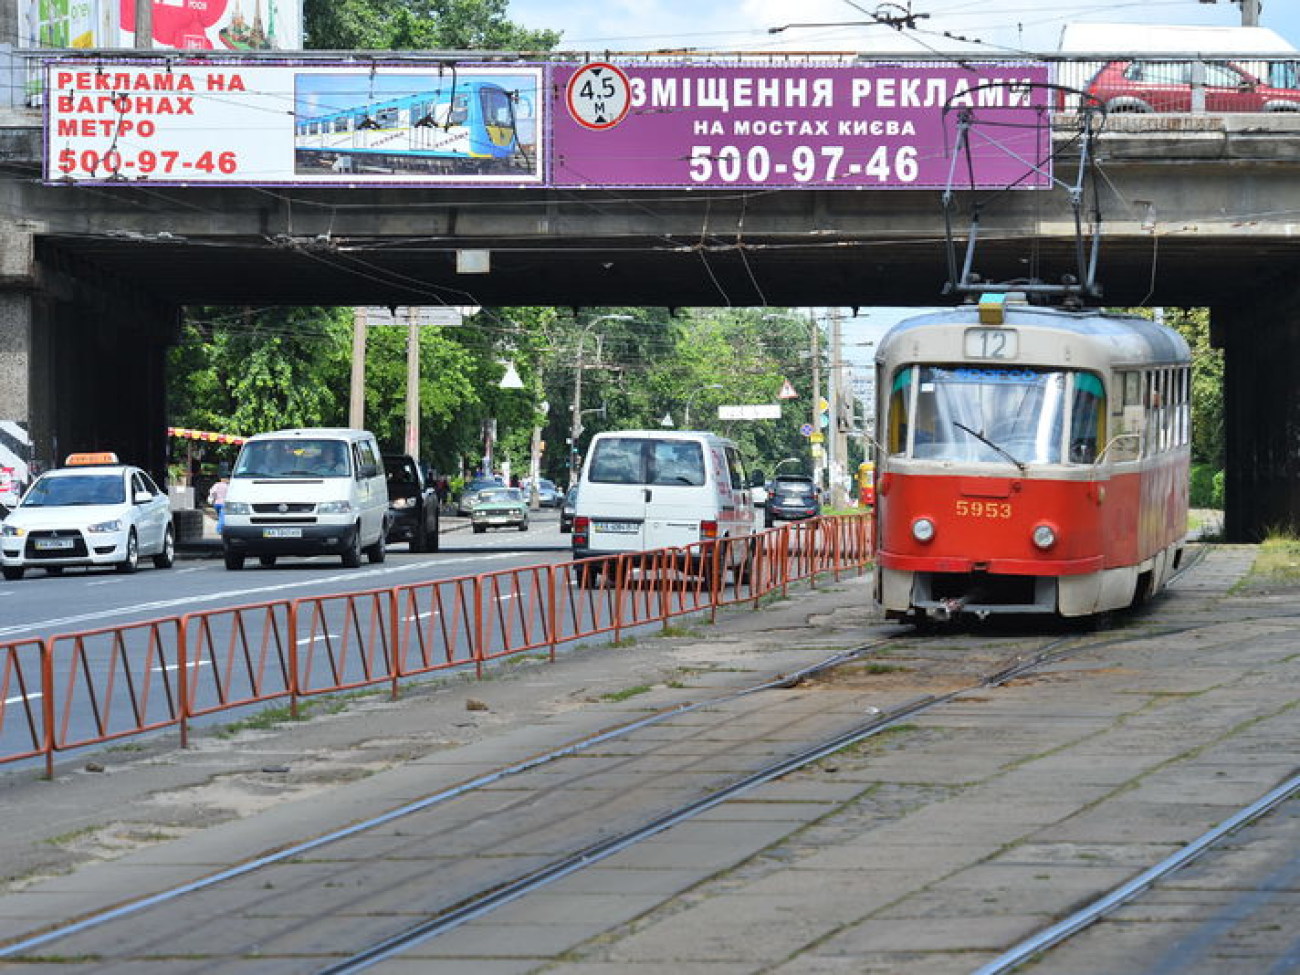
<point>11,531</point>
<point>238,508</point>
<point>334,508</point>
<point>1044,536</point>
<point>923,529</point>
<point>112,525</point>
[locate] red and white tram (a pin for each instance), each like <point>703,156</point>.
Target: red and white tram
<point>1032,460</point>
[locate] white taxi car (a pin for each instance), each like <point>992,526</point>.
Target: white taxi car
<point>94,511</point>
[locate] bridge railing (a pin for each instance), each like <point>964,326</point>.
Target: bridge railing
<point>74,690</point>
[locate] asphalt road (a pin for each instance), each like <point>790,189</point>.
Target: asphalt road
<point>40,605</point>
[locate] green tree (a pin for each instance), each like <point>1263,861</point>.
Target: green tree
<point>409,25</point>
<point>245,372</point>
<point>1207,384</point>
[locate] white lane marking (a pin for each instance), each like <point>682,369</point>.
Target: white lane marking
<point>188,602</point>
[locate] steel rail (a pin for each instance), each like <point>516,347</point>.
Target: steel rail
<point>477,906</point>
<point>499,896</point>
<point>489,901</point>
<point>506,893</point>
<point>1090,914</point>
<point>173,893</point>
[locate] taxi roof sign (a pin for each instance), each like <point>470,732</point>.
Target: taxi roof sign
<point>90,459</point>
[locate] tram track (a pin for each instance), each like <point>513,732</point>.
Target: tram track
<point>503,890</point>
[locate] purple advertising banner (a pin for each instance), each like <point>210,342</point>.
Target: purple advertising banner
<point>812,126</point>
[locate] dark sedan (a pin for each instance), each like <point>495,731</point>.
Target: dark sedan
<point>568,508</point>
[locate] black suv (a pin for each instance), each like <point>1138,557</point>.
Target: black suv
<point>790,498</point>
<point>412,504</point>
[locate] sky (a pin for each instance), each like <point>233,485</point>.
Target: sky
<point>997,26</point>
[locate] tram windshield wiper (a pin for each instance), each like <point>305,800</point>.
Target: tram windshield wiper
<point>1020,465</point>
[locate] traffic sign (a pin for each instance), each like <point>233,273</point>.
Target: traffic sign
<point>599,95</point>
<point>806,430</point>
<point>787,391</point>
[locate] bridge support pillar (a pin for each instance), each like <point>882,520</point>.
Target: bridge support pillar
<point>1261,343</point>
<point>82,366</point>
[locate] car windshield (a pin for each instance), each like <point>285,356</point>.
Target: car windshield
<point>803,488</point>
<point>54,492</point>
<point>293,458</point>
<point>493,495</point>
<point>401,470</point>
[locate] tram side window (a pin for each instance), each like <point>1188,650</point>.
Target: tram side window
<point>1087,418</point>
<point>1184,407</point>
<point>897,417</point>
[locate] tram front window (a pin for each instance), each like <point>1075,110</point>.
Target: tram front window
<point>971,414</point>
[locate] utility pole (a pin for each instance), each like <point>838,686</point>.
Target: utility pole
<point>144,24</point>
<point>816,395</point>
<point>357,397</point>
<point>413,382</point>
<point>836,435</point>
<point>575,423</point>
<point>1249,11</point>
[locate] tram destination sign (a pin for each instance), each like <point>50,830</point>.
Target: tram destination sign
<point>707,125</point>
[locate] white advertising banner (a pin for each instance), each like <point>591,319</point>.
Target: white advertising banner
<point>313,123</point>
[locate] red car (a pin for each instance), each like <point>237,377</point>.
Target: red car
<point>1166,86</point>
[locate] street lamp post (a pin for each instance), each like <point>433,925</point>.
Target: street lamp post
<point>686,416</point>
<point>575,427</point>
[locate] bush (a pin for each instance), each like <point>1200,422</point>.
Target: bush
<point>1206,489</point>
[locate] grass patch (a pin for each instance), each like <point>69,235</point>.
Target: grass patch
<point>1278,560</point>
<point>64,839</point>
<point>626,693</point>
<point>265,720</point>
<point>885,669</point>
<point>684,631</point>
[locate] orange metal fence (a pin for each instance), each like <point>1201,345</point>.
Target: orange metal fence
<point>73,690</point>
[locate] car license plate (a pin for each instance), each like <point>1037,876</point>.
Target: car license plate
<point>282,533</point>
<point>616,527</point>
<point>53,544</point>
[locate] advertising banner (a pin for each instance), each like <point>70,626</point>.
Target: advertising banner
<point>721,126</point>
<point>259,124</point>
<point>599,125</point>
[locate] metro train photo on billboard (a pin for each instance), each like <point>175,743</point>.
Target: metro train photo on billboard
<point>1033,460</point>
<point>437,126</point>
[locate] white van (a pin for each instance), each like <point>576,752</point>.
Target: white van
<point>306,492</point>
<point>644,489</point>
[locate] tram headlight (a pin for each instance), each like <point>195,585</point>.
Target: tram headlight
<point>1044,536</point>
<point>923,529</point>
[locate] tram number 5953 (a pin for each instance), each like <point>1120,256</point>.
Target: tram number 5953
<point>983,509</point>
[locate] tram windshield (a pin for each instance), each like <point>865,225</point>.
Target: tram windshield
<point>1020,415</point>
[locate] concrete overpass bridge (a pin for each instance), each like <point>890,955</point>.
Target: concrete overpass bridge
<point>1197,209</point>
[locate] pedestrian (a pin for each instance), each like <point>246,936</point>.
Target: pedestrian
<point>217,498</point>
